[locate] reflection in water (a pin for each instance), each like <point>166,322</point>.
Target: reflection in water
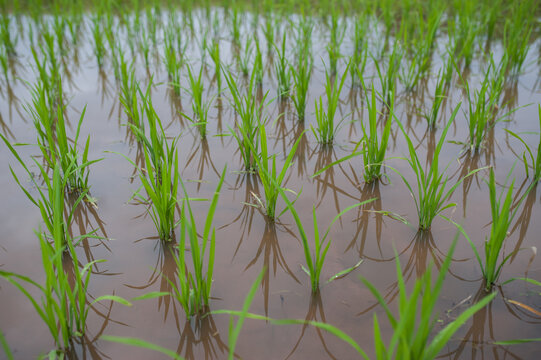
<point>315,308</point>
<point>269,247</point>
<point>369,191</point>
<point>470,162</point>
<point>421,246</point>
<point>86,346</point>
<point>523,220</point>
<point>201,146</point>
<point>201,333</point>
<point>165,271</point>
<point>246,215</point>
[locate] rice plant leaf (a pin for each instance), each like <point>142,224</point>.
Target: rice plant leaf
<point>516,342</point>
<point>345,271</point>
<point>151,295</point>
<point>114,298</point>
<point>5,346</point>
<point>142,344</point>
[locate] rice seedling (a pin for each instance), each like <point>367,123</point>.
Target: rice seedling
<point>388,78</point>
<point>412,330</point>
<point>99,46</point>
<point>173,63</point>
<point>439,95</point>
<point>337,32</point>
<point>235,25</point>
<point>249,112</point>
<point>360,51</point>
<point>215,56</point>
<point>244,60</point>
<point>160,177</point>
<point>53,140</point>
<point>63,302</point>
<point>282,68</point>
<point>374,148</point>
<point>301,81</point>
<point>535,158</point>
<point>315,260</point>
<point>193,289</point>
<point>481,106</point>
<point>517,32</point>
<point>271,178</point>
<point>200,107</point>
<point>8,43</point>
<point>432,192</point>
<point>258,63</point>
<point>326,129</point>
<point>129,95</point>
<point>503,212</point>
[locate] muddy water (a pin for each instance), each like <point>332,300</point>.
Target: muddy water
<point>137,261</point>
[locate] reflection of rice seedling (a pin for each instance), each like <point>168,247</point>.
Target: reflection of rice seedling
<point>535,158</point>
<point>193,289</point>
<point>432,192</point>
<point>326,130</point>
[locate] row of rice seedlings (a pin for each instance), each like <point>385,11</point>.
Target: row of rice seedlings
<point>160,176</point>
<point>193,288</point>
<point>517,32</point>
<point>326,128</point>
<point>250,112</point>
<point>432,193</point>
<point>63,302</point>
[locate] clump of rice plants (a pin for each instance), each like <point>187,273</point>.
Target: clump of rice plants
<point>413,327</point>
<point>282,68</point>
<point>200,106</point>
<point>432,192</point>
<point>301,81</point>
<point>503,212</point>
<point>326,128</point>
<point>63,303</point>
<point>375,147</point>
<point>160,176</point>
<point>249,111</point>
<point>193,288</point>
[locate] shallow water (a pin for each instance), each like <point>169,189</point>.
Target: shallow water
<point>245,241</point>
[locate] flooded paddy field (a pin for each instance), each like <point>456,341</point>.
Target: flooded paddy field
<point>133,72</point>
